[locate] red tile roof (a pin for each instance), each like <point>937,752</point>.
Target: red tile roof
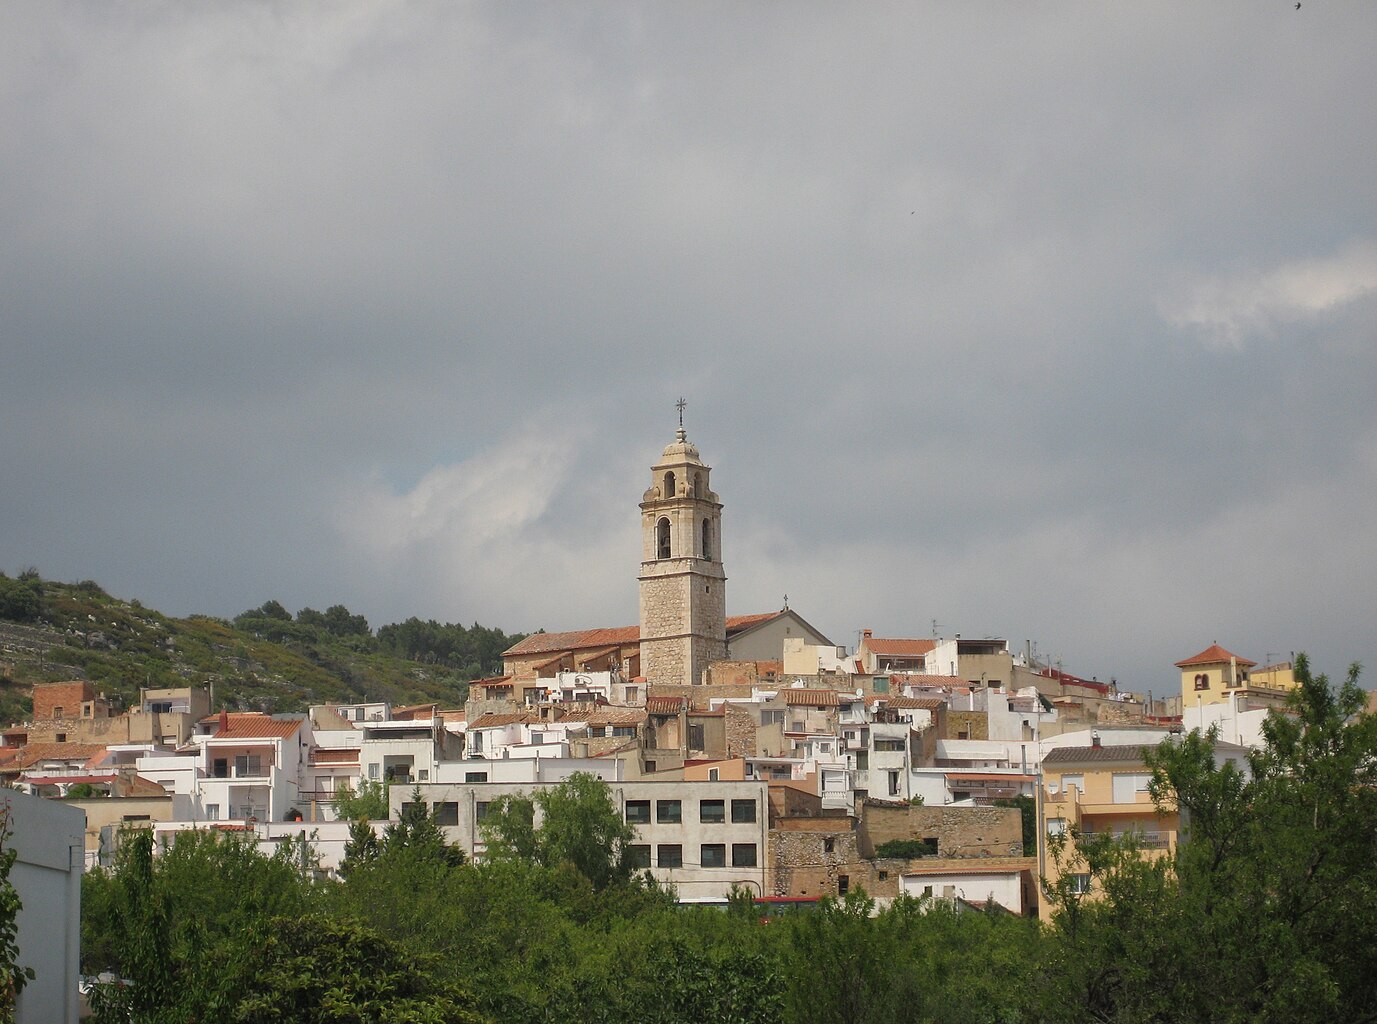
<point>665,705</point>
<point>1214,655</point>
<point>616,636</point>
<point>898,700</point>
<point>493,720</point>
<point>89,754</point>
<point>543,643</point>
<point>617,716</point>
<point>801,698</point>
<point>898,647</point>
<point>247,725</point>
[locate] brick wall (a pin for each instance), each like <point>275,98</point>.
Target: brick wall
<point>49,697</point>
<point>741,729</point>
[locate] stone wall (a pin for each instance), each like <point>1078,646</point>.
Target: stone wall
<point>974,724</point>
<point>960,831</point>
<point>740,730</point>
<point>69,696</point>
<point>699,697</point>
<point>808,863</point>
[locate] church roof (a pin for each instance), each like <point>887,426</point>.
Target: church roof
<point>617,636</point>
<point>1214,655</point>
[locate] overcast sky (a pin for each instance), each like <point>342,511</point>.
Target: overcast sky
<point>1055,322</point>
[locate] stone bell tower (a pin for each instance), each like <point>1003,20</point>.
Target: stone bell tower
<point>683,587</point>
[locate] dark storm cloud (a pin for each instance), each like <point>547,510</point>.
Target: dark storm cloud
<point>1052,323</point>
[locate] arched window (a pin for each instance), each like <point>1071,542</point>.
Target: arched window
<point>669,484</point>
<point>662,538</point>
<point>707,538</point>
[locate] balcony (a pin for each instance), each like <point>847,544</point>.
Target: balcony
<point>230,773</point>
<point>1148,840</point>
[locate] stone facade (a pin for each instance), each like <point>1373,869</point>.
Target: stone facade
<point>960,831</point>
<point>683,596</point>
<point>61,700</point>
<point>967,725</point>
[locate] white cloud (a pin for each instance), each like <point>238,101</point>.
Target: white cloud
<point>1226,310</point>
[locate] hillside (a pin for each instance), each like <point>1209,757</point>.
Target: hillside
<point>264,660</point>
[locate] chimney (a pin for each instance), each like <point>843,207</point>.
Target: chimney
<point>866,634</point>
<point>1095,739</point>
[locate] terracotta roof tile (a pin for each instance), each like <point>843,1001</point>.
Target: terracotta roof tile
<point>898,700</point>
<point>90,754</point>
<point>246,725</point>
<point>616,636</point>
<point>800,698</point>
<point>665,705</point>
<point>898,647</point>
<point>494,720</point>
<point>1117,753</point>
<point>1214,655</point>
<point>617,716</point>
<point>542,643</point>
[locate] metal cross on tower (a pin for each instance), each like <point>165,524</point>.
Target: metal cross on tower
<point>680,406</point>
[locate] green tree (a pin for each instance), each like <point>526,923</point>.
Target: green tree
<point>416,833</point>
<point>361,849</point>
<point>370,802</point>
<point>580,827</point>
<point>1274,876</point>
<point>321,970</point>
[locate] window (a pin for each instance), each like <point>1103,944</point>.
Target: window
<point>423,775</point>
<point>843,884</point>
<point>893,783</point>
<point>638,813</point>
<point>662,538</point>
<point>743,812</point>
<point>890,745</point>
<point>707,539</point>
<point>669,812</point>
<point>1067,781</point>
<point>743,855</point>
<point>1056,826</point>
<point>638,856</point>
<point>883,875</point>
<point>772,718</point>
<point>712,812</point>
<point>373,772</point>
<point>829,845</point>
<point>713,775</point>
<point>477,743</point>
<point>669,484</point>
<point>695,733</point>
<point>57,711</point>
<point>632,694</point>
<point>1202,681</point>
<point>137,817</point>
<point>927,890</point>
<point>480,810</point>
<point>475,776</point>
<point>412,808</point>
<point>713,855</point>
<point>446,813</point>
<point>62,737</point>
<point>247,766</point>
<point>1080,883</point>
<point>212,812</point>
<point>1127,785</point>
<point>671,855</point>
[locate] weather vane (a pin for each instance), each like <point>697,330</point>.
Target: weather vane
<point>680,406</point>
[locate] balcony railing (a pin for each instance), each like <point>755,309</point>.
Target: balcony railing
<point>1145,840</point>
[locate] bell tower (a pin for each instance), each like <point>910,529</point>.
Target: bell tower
<point>683,586</point>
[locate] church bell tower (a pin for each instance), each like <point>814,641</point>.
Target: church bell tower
<point>683,586</point>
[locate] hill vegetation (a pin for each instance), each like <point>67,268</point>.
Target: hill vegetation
<point>265,659</point>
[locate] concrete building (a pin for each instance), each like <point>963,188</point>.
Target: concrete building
<point>702,837</point>
<point>47,837</point>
